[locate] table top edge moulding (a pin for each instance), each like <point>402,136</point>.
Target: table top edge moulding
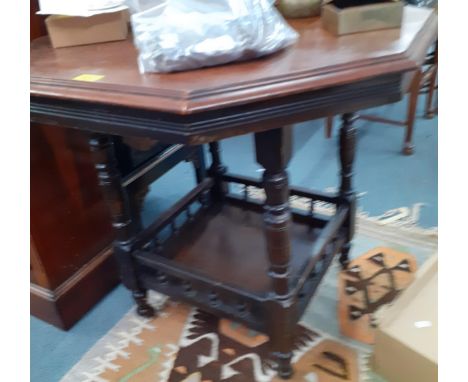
<point>319,60</point>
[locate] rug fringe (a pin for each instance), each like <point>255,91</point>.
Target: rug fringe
<point>402,217</point>
<point>111,346</point>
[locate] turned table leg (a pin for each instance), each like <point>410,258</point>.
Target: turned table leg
<point>273,149</point>
<point>123,223</point>
<point>217,170</point>
<point>347,152</point>
<point>198,161</point>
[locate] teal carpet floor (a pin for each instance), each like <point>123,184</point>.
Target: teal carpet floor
<point>384,178</point>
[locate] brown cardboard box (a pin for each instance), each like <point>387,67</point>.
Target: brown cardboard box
<point>362,18</point>
<point>69,30</point>
<point>406,339</point>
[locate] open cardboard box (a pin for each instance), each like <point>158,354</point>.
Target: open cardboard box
<point>340,20</point>
<point>70,30</point>
<point>406,339</point>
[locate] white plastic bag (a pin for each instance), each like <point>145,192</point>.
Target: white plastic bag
<point>181,35</point>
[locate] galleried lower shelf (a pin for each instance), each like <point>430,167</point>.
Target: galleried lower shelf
<point>244,255</point>
<point>214,254</point>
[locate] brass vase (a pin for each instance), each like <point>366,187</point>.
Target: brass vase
<point>299,8</point>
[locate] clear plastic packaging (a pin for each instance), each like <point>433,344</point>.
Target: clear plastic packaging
<point>181,35</point>
<point>423,3</point>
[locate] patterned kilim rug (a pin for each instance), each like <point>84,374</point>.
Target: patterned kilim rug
<point>334,338</point>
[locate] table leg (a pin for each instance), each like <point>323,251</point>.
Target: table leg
<point>273,150</point>
<point>347,152</point>
<point>217,170</point>
<point>119,205</point>
<point>198,160</point>
<point>123,153</point>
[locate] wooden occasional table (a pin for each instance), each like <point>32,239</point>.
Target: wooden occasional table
<point>213,248</point>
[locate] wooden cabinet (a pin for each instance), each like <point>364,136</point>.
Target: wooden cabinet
<point>71,263</point>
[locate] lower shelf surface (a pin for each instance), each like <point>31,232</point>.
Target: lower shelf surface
<point>227,244</point>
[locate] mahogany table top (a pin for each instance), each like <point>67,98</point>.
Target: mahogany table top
<point>318,60</point>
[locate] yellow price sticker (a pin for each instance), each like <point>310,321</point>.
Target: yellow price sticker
<point>88,77</point>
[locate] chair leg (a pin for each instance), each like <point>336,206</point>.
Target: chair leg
<point>408,147</point>
<point>329,127</point>
<point>429,110</point>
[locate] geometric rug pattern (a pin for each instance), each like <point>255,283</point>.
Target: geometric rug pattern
<point>372,280</point>
<point>185,344</point>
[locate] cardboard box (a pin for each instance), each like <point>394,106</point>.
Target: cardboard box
<point>362,18</point>
<point>406,339</point>
<point>69,30</point>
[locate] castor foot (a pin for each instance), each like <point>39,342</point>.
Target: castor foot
<point>283,366</point>
<point>429,115</point>
<point>408,149</point>
<point>286,372</point>
<point>146,311</point>
<point>143,308</point>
